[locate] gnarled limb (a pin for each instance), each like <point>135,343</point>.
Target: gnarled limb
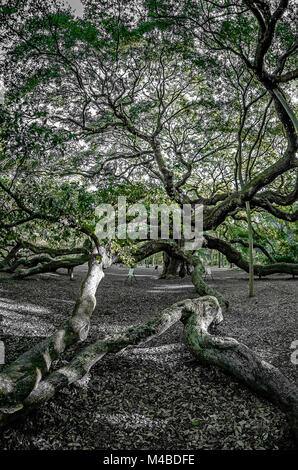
<point>44,259</point>
<point>44,264</point>
<point>54,252</point>
<point>10,256</point>
<point>237,359</point>
<point>22,376</point>
<point>203,288</point>
<point>280,214</point>
<point>234,256</point>
<point>197,315</point>
<point>256,245</point>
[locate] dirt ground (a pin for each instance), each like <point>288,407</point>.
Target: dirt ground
<point>154,396</point>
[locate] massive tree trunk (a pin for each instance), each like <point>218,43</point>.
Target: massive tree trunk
<point>26,382</point>
<point>88,357</point>
<point>237,359</point>
<point>197,315</point>
<point>234,256</point>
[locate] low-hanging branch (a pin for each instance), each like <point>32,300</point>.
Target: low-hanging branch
<point>234,256</point>
<point>53,252</point>
<point>171,248</point>
<point>25,373</point>
<point>48,259</point>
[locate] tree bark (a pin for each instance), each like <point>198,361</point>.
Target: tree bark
<point>11,255</point>
<point>251,250</point>
<point>87,358</point>
<point>43,264</point>
<point>22,376</point>
<point>172,249</point>
<point>237,359</point>
<point>234,256</point>
<point>256,245</point>
<point>197,315</point>
<point>203,288</point>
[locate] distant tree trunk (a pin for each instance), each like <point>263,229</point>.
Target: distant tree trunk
<point>251,247</point>
<point>197,315</point>
<point>189,269</point>
<point>171,267</point>
<point>183,270</point>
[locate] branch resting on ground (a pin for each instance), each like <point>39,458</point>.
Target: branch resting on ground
<point>197,315</point>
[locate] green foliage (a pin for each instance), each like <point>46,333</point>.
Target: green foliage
<point>85,97</point>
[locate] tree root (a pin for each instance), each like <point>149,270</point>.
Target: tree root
<point>197,315</point>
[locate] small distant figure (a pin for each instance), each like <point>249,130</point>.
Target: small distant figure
<point>207,273</point>
<point>156,267</point>
<point>131,275</point>
<point>70,273</point>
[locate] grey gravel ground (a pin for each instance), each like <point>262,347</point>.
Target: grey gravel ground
<point>154,396</point>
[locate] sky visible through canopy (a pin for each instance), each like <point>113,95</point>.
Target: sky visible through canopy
<point>78,8</point>
<point>76,5</point>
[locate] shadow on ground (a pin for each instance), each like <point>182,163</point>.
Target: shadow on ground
<point>153,397</point>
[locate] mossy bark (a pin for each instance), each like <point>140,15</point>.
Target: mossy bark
<point>82,363</point>
<point>22,376</point>
<point>203,288</point>
<point>37,259</point>
<point>171,267</point>
<point>197,315</point>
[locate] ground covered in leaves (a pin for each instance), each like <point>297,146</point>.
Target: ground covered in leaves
<point>154,396</point>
